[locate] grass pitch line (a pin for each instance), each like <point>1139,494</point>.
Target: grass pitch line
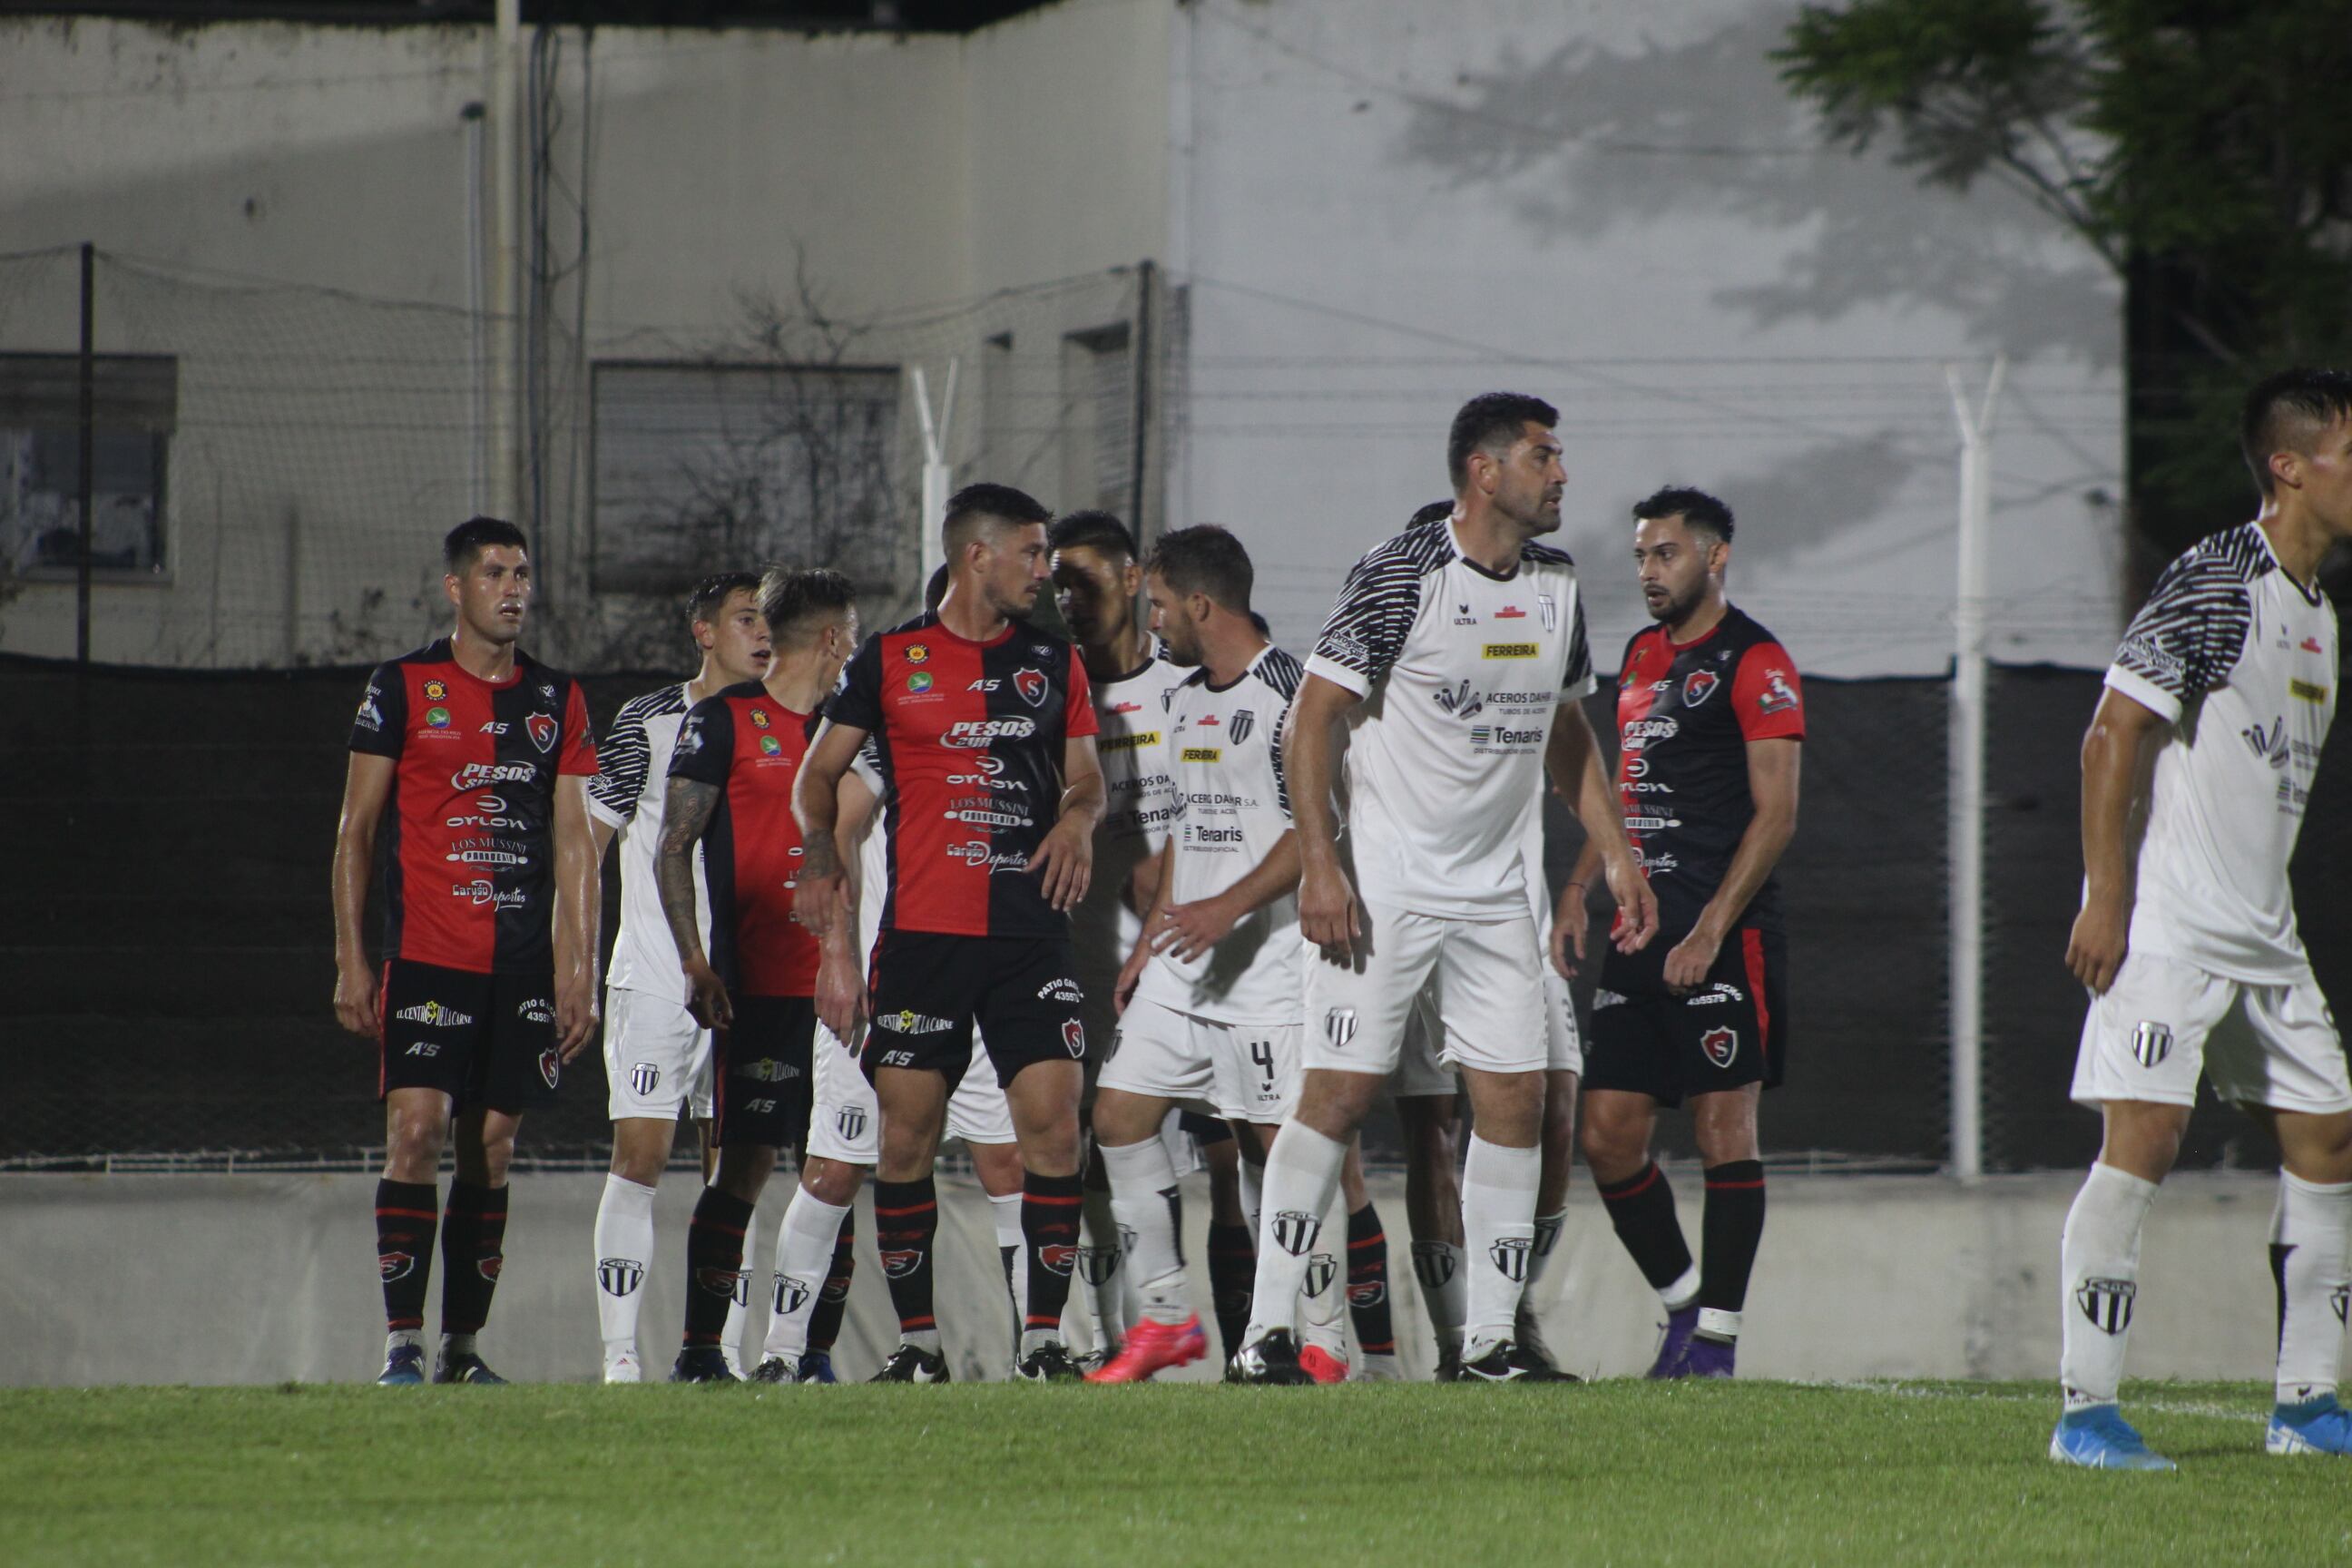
<point>1926,1391</point>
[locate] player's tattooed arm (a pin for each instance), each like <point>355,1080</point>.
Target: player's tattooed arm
<point>1772,785</point>
<point>578,858</point>
<point>1574,758</point>
<point>2117,756</point>
<point>816,806</point>
<point>687,805</point>
<point>365,790</point>
<point>1311,750</point>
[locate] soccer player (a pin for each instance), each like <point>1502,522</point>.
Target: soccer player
<point>975,929</point>
<point>657,1058</point>
<point>1097,583</point>
<point>481,757</point>
<point>1457,653</point>
<point>1709,717</point>
<point>2228,674</point>
<point>731,789</point>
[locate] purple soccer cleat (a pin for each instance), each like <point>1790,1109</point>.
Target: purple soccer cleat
<point>1680,1323</point>
<point>1703,1357</point>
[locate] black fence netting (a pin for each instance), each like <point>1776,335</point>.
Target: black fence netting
<point>166,957</point>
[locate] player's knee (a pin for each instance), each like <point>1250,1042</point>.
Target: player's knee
<point>998,1167</point>
<point>413,1145</point>
<point>1121,1119</point>
<point>1051,1151</point>
<point>831,1182</point>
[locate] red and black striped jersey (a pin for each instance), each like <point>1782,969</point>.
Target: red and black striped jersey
<point>1686,712</point>
<point>471,820</point>
<point>968,738</point>
<point>750,747</point>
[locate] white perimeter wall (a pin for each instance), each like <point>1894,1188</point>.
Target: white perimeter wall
<point>1384,208</point>
<point>256,1278</point>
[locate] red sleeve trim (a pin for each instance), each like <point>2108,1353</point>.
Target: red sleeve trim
<point>1078,711</point>
<point>579,739</point>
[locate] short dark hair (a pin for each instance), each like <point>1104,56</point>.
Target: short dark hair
<point>793,598</point>
<point>704,600</point>
<point>1489,418</point>
<point>1700,512</point>
<point>2288,408</point>
<point>1430,513</point>
<point>1094,530</point>
<point>467,542</point>
<point>974,505</point>
<point>1205,559</point>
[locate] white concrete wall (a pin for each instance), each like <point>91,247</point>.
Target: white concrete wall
<point>1383,209</point>
<point>256,1278</point>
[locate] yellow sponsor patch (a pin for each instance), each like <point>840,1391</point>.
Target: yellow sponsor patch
<point>1511,651</point>
<point>1202,753</point>
<point>2309,690</point>
<point>1127,743</point>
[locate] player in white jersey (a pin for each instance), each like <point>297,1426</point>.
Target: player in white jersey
<point>1097,586</point>
<point>1458,655</point>
<point>814,1244</point>
<point>656,1059</point>
<point>2229,675</point>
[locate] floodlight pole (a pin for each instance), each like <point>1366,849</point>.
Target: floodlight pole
<point>935,464</point>
<point>1966,782</point>
<point>505,110</point>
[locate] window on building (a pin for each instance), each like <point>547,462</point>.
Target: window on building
<point>703,468</point>
<point>135,405</point>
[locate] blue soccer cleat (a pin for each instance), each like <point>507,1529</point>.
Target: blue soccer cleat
<point>403,1367</point>
<point>2315,1426</point>
<point>2099,1438</point>
<point>816,1366</point>
<point>1681,1323</point>
<point>1703,1357</point>
<point>466,1367</point>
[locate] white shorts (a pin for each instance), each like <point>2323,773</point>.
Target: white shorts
<point>845,1123</point>
<point>2164,1020</point>
<point>1484,978</point>
<point>656,1059</point>
<point>1420,1073</point>
<point>1246,1072</point>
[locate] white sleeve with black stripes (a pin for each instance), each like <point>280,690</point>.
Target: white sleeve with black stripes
<point>626,758</point>
<point>1283,674</point>
<point>2187,638</point>
<point>1378,603</point>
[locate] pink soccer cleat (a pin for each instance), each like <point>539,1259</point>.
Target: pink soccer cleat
<point>1154,1347</point>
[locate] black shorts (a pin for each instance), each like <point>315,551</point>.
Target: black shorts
<point>925,990</point>
<point>485,1040</point>
<point>1204,1129</point>
<point>1730,1032</point>
<point>760,1072</point>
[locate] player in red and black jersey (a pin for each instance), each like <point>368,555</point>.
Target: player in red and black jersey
<point>1710,716</point>
<point>983,732</point>
<point>477,760</point>
<point>730,788</point>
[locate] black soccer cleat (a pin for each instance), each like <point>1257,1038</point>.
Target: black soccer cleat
<point>1272,1361</point>
<point>1504,1363</point>
<point>1529,1351</point>
<point>1049,1363</point>
<point>775,1369</point>
<point>1449,1364</point>
<point>466,1368</point>
<point>912,1363</point>
<point>701,1364</point>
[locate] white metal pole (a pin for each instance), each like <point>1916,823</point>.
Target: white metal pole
<point>476,269</point>
<point>506,189</point>
<point>935,464</point>
<point>1966,771</point>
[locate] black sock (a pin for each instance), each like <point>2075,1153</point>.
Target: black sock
<point>1049,1227</point>
<point>1232,1279</point>
<point>714,1264</point>
<point>906,1222</point>
<point>1642,1207</point>
<point>824,1318</point>
<point>405,1213</point>
<point>1368,1282</point>
<point>1729,1231</point>
<point>473,1250</point>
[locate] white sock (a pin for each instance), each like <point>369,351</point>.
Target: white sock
<point>1444,1293</point>
<point>1302,1171</point>
<point>625,1248</point>
<point>739,1312</point>
<point>1143,1202</point>
<point>1682,1292</point>
<point>2310,1231</point>
<point>805,1244</point>
<point>1498,1230</point>
<point>1101,1261</point>
<point>2099,1274</point>
<point>1323,1297</point>
<point>1013,1248</point>
<point>1547,1230</point>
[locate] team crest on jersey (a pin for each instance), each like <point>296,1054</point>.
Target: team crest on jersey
<point>1720,1045</point>
<point>644,1079</point>
<point>1550,609</point>
<point>394,1265</point>
<point>620,1275</point>
<point>791,1295</point>
<point>1074,1038</point>
<point>1433,1264</point>
<point>1510,1255</point>
<point>1698,686</point>
<point>1321,1269</point>
<point>1340,1027</point>
<point>1238,729</point>
<point>550,1066</point>
<point>1059,1257</point>
<point>850,1122</point>
<point>435,691</point>
<point>2151,1043</point>
<point>2107,1303</point>
<point>1030,684</point>
<point>1295,1231</point>
<point>543,731</point>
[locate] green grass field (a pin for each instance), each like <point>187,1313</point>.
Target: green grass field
<point>1621,1472</point>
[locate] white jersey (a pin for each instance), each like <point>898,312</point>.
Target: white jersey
<point>1138,805</point>
<point>632,775</point>
<point>1233,807</point>
<point>873,856</point>
<point>2242,660</point>
<point>1462,672</point>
